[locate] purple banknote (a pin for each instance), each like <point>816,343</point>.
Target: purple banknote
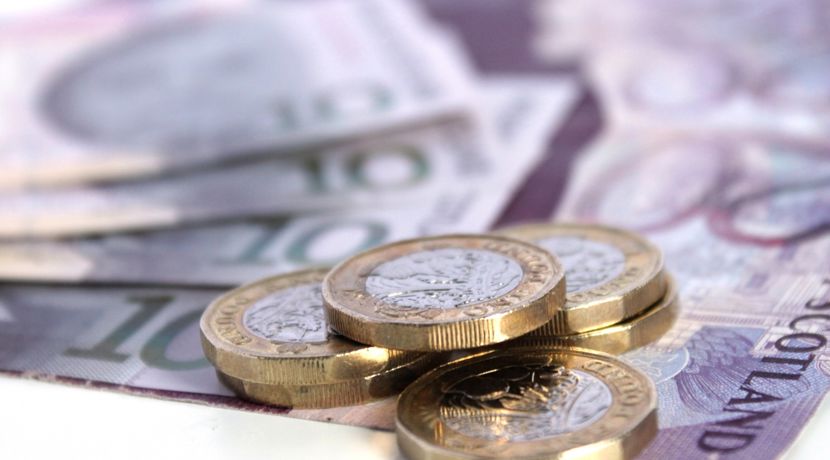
<point>743,223</point>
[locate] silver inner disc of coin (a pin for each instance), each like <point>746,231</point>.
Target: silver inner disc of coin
<point>444,278</point>
<point>525,403</point>
<point>587,263</point>
<point>289,315</point>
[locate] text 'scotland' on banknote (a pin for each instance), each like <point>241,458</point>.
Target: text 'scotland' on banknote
<point>743,222</point>
<point>117,91</point>
<point>446,183</point>
<point>145,340</point>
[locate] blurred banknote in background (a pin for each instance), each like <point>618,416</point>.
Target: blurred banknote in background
<point>127,90</point>
<point>448,177</point>
<point>732,66</point>
<point>385,169</point>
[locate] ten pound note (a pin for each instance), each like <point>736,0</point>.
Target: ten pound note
<point>745,233</point>
<point>145,340</point>
<point>118,92</point>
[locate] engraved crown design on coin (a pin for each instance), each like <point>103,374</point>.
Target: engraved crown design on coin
<point>612,274</point>
<point>443,278</point>
<point>289,315</point>
<point>444,292</point>
<point>274,332</point>
<point>587,263</point>
<point>524,402</point>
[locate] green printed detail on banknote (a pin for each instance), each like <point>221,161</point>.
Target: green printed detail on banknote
<point>388,169</point>
<point>137,340</point>
<point>119,93</point>
<point>475,169</point>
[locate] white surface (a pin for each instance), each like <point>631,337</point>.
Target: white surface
<point>43,420</point>
<point>814,440</point>
<point>15,10</point>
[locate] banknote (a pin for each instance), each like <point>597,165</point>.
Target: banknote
<point>126,89</point>
<point>393,168</point>
<point>692,86</point>
<point>565,26</point>
<point>743,223</point>
<point>525,112</point>
<point>384,170</point>
<point>751,67</point>
<point>144,339</point>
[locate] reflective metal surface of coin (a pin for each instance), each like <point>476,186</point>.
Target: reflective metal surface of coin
<point>444,293</point>
<point>635,332</point>
<point>333,394</point>
<point>528,402</point>
<point>612,274</point>
<point>274,331</point>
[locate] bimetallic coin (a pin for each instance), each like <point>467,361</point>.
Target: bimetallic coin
<point>274,331</point>
<point>334,394</point>
<point>528,402</point>
<point>636,332</point>
<point>612,274</point>
<point>444,293</point>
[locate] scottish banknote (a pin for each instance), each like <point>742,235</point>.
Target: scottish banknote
<point>751,25</point>
<point>743,222</point>
<point>738,66</point>
<point>127,89</point>
<point>471,180</point>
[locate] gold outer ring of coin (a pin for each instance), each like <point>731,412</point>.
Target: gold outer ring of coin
<point>640,284</point>
<point>428,420</point>
<point>238,352</point>
<point>357,314</point>
<point>636,332</point>
<point>335,394</point>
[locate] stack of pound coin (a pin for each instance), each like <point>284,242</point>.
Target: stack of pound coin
<point>270,343</point>
<point>539,379</point>
<point>528,403</point>
<point>444,293</point>
<point>619,296</point>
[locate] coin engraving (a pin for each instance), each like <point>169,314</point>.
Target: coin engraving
<point>528,402</point>
<point>524,402</point>
<point>588,264</point>
<point>444,278</point>
<point>444,292</point>
<point>289,315</point>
